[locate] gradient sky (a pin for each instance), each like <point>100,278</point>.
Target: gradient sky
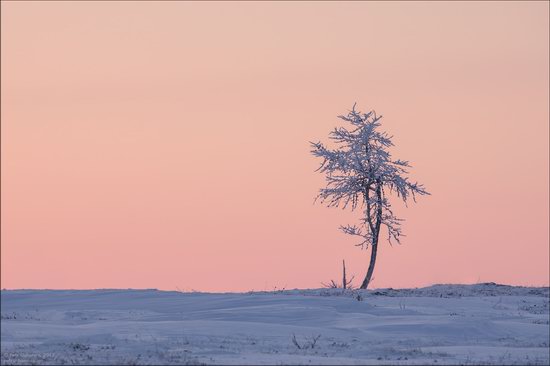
<point>165,145</point>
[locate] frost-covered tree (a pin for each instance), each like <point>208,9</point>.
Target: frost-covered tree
<point>361,172</point>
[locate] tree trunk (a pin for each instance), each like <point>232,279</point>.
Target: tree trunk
<point>367,279</point>
<point>375,235</point>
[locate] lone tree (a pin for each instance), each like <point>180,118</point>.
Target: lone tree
<point>361,172</point>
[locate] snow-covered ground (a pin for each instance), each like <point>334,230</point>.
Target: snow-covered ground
<point>443,324</point>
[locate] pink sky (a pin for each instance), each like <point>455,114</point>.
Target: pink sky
<point>165,145</point>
